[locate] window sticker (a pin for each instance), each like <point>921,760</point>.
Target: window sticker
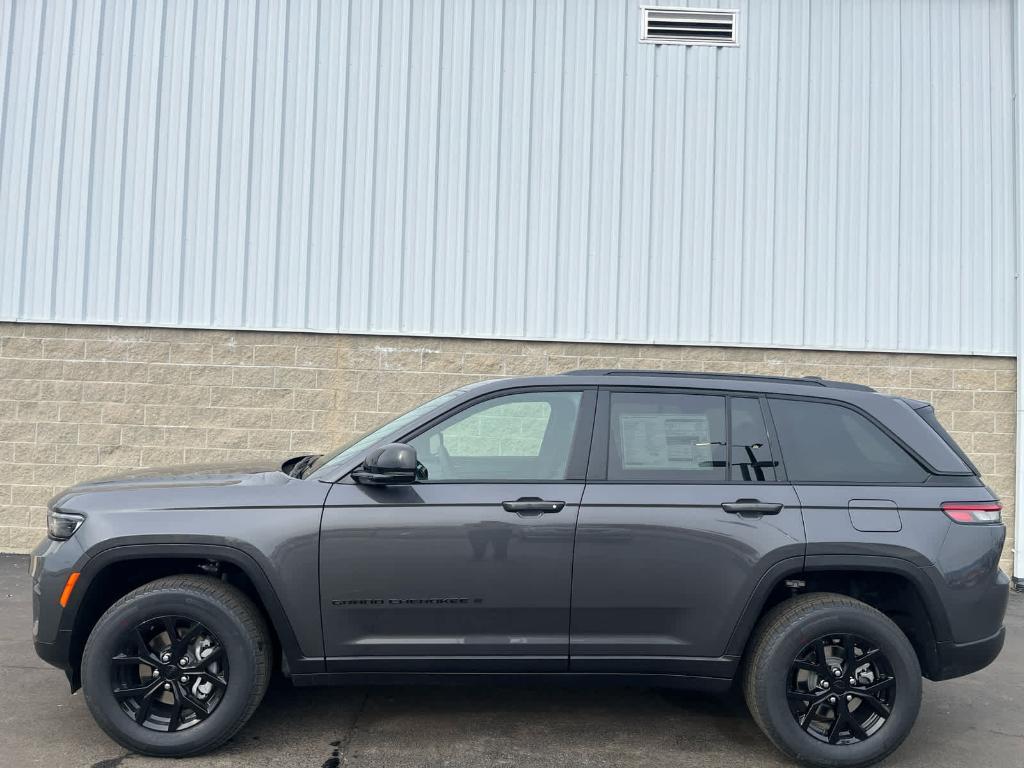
<point>664,441</point>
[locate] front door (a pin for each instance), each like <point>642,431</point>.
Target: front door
<point>683,514</point>
<point>470,568</point>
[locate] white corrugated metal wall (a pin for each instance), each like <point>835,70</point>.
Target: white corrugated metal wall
<point>843,178</point>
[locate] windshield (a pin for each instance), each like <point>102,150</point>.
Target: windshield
<point>346,452</point>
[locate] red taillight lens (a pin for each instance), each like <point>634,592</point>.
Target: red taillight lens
<point>973,512</point>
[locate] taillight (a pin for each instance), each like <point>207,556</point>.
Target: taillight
<point>973,512</point>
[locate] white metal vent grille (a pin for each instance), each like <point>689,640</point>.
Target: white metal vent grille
<point>687,26</point>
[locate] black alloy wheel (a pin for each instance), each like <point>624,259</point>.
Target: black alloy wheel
<point>832,681</point>
<point>169,674</point>
<point>177,666</point>
<point>841,689</point>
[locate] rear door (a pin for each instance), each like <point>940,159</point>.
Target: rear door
<point>684,511</point>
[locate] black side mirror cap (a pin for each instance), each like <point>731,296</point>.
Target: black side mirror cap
<point>392,464</point>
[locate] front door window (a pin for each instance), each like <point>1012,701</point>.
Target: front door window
<point>522,437</point>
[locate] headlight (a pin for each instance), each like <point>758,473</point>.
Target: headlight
<point>62,525</point>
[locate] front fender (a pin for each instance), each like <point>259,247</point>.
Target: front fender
<point>72,623</point>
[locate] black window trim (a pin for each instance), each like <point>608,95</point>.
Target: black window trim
<point>576,468</point>
<point>600,445</point>
<point>781,475</point>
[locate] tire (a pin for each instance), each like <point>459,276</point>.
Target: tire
<point>780,693</point>
<point>242,663</point>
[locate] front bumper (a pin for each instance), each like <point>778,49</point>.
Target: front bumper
<point>958,659</point>
<point>59,655</point>
<point>51,564</point>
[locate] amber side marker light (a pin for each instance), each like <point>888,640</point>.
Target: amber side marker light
<point>68,587</point>
<point>973,512</point>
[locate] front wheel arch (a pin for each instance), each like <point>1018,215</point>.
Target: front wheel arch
<point>114,572</point>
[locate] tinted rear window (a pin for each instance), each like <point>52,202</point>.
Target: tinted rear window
<point>831,443</point>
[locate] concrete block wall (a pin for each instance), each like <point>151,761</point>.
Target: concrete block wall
<point>79,402</point>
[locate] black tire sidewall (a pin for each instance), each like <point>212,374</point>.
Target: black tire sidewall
<point>872,627</point>
<point>104,642</point>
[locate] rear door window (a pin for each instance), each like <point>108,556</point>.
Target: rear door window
<point>750,453</point>
<point>666,437</point>
<point>826,443</point>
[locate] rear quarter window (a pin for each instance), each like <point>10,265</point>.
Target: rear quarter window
<point>825,443</point>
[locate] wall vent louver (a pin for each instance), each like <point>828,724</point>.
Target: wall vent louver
<point>687,26</point>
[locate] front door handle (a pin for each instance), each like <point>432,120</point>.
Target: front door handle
<point>751,507</point>
<point>531,506</point>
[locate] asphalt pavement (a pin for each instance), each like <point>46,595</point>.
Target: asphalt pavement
<point>975,721</point>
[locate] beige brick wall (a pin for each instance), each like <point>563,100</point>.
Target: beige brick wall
<point>78,402</point>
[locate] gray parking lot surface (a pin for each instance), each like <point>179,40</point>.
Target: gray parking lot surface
<point>974,721</point>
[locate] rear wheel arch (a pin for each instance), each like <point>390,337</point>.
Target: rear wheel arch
<point>897,588</point>
<point>113,573</point>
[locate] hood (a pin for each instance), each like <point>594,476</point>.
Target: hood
<point>191,476</point>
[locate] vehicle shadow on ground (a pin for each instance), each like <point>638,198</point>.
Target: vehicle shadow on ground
<point>507,725</point>
<point>511,726</point>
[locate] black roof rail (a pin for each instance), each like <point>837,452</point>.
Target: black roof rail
<point>814,381</point>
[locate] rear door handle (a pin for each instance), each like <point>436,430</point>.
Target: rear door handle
<point>751,507</point>
<point>531,506</point>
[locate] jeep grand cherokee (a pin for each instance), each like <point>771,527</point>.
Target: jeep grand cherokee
<point>821,544</point>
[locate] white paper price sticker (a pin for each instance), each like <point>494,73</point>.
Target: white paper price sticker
<point>664,441</point>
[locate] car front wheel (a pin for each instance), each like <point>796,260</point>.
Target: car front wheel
<point>832,681</point>
<point>177,666</point>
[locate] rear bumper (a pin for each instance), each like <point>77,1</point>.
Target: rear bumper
<point>958,659</point>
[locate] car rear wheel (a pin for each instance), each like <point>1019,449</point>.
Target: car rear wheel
<point>177,666</point>
<point>832,681</point>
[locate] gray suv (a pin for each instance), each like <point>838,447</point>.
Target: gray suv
<point>820,544</point>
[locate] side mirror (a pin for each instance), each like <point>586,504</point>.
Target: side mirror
<point>393,464</point>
